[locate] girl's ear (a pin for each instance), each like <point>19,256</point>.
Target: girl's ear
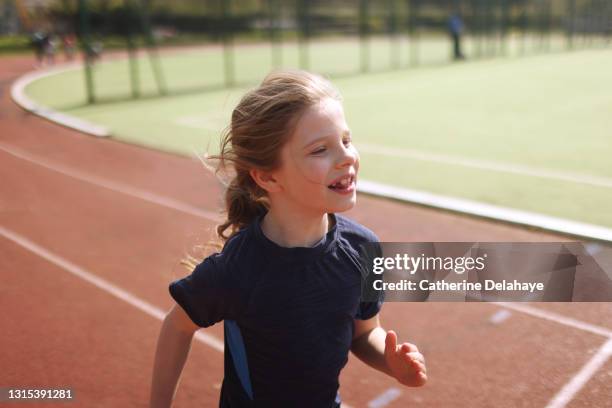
<point>265,180</point>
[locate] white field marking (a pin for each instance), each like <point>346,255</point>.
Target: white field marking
<point>494,212</point>
<point>385,398</point>
<point>19,96</point>
<point>167,202</point>
<point>500,316</point>
<point>112,185</point>
<point>557,318</point>
<point>101,283</point>
<point>569,390</point>
<point>213,121</point>
<point>513,168</point>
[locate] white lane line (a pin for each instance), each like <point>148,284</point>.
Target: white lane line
<point>569,390</point>
<point>593,248</point>
<point>102,284</point>
<point>176,205</point>
<point>500,316</point>
<point>385,398</point>
<point>557,318</point>
<point>513,168</point>
<point>112,185</point>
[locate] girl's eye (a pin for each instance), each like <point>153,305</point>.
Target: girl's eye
<point>347,141</point>
<point>321,150</point>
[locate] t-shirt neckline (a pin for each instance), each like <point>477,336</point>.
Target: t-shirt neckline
<point>325,244</point>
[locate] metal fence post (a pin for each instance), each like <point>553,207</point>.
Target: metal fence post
<point>228,51</point>
<point>86,46</point>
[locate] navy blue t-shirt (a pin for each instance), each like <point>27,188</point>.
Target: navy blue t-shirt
<point>288,313</point>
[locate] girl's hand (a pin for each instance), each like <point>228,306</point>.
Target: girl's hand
<point>405,362</point>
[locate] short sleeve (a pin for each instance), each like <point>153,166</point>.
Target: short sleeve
<point>210,294</point>
<point>375,299</point>
<point>368,310</point>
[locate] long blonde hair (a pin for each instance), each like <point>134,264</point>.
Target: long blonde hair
<point>261,124</point>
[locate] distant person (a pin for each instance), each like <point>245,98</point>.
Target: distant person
<point>38,41</point>
<point>94,51</point>
<point>50,46</point>
<point>287,282</point>
<point>69,45</point>
<point>455,28</point>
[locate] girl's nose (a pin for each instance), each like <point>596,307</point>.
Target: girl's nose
<point>349,157</point>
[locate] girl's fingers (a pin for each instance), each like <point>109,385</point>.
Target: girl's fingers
<point>416,356</point>
<point>390,341</point>
<point>409,359</point>
<point>409,347</point>
<point>420,367</point>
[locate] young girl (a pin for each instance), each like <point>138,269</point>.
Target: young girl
<point>287,283</point>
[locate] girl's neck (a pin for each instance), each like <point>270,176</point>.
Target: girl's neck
<point>295,230</point>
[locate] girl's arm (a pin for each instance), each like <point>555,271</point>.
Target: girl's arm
<point>379,349</point>
<point>369,343</point>
<point>173,347</point>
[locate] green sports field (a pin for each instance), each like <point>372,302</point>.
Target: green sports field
<point>532,133</point>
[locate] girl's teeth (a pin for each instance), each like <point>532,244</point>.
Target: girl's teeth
<point>344,183</point>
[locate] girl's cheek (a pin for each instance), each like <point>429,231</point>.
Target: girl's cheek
<point>315,171</point>
<point>318,175</point>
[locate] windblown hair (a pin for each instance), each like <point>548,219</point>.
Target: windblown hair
<point>261,124</point>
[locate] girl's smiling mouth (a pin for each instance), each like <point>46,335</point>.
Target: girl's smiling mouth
<point>344,184</point>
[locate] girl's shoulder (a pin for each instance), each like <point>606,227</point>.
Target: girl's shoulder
<point>236,258</point>
<point>354,232</point>
<point>237,245</point>
<point>358,241</point>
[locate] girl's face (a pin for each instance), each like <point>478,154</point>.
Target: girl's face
<point>319,162</point>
